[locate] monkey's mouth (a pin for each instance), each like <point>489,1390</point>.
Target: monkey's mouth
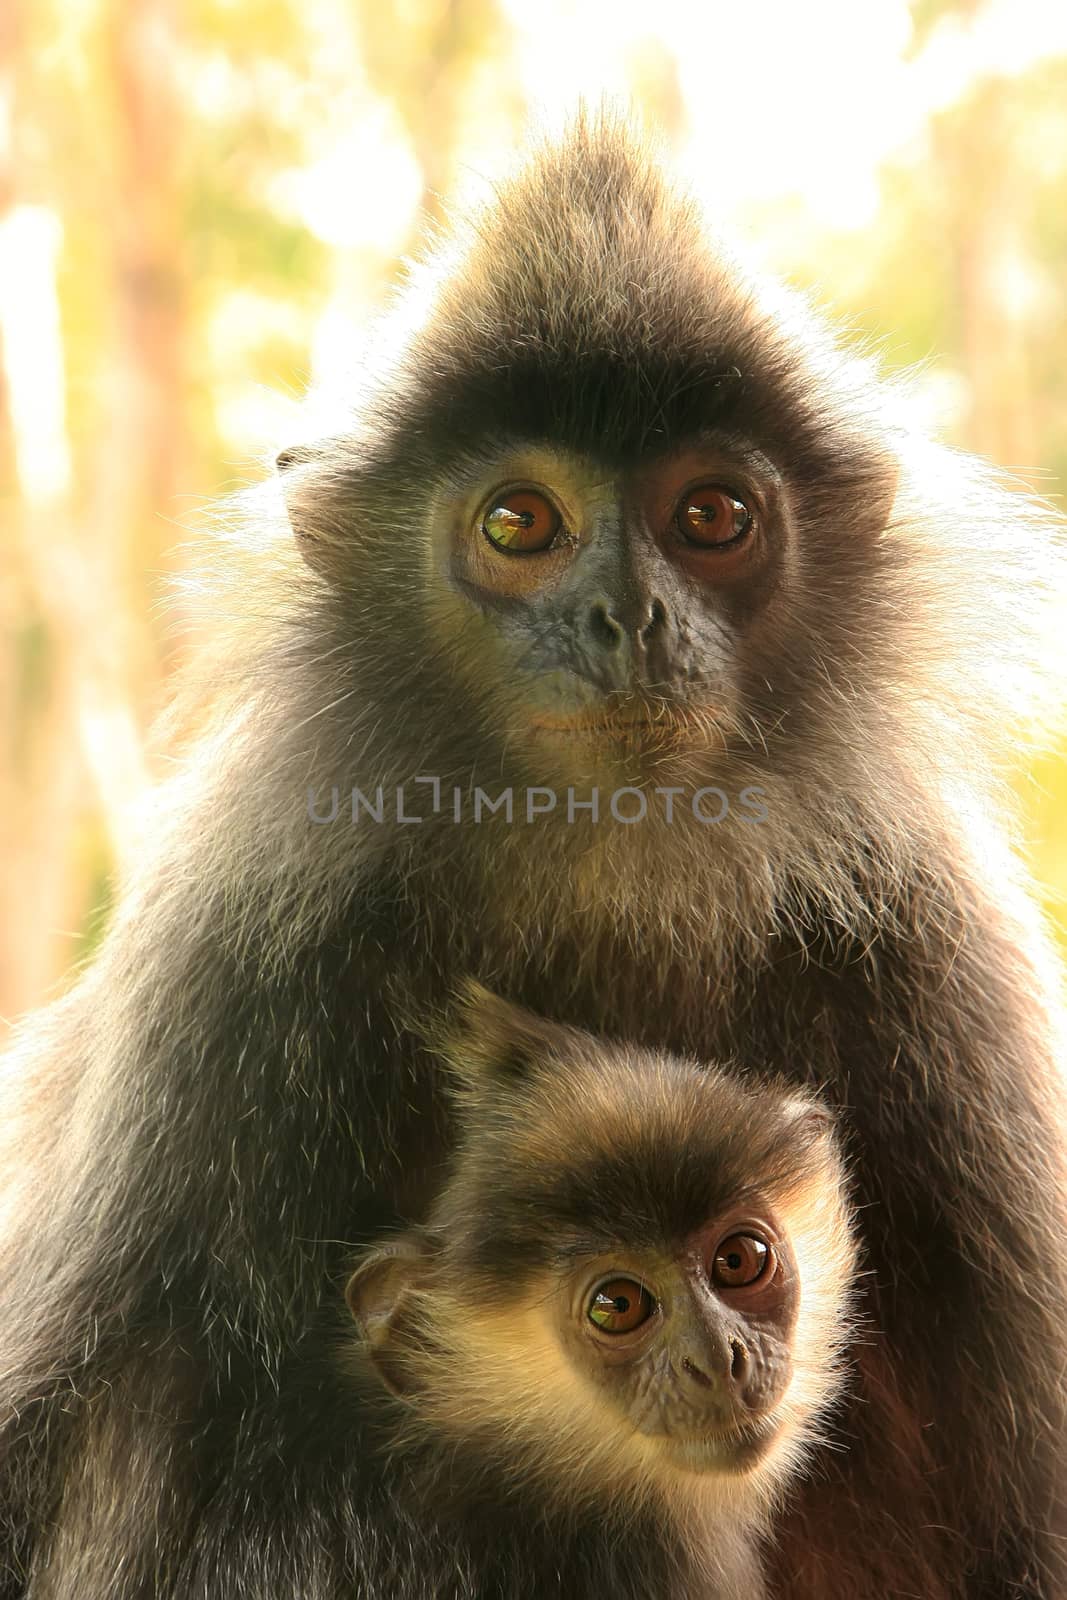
<point>736,1450</point>
<point>635,719</point>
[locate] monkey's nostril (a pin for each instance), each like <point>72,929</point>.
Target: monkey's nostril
<point>695,1373</point>
<point>657,616</point>
<point>604,628</point>
<point>739,1360</point>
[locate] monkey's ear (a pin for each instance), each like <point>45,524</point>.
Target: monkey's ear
<point>294,455</point>
<point>810,1119</point>
<point>300,468</point>
<point>876,491</point>
<point>492,1043</point>
<point>379,1295</point>
<point>888,483</point>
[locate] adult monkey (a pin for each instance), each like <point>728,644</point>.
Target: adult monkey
<point>608,514</point>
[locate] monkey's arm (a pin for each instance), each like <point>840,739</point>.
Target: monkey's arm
<point>941,1037</point>
<point>183,1173</point>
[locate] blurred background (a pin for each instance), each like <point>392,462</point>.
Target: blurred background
<point>201,202</point>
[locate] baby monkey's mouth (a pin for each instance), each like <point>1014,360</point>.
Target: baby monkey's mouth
<point>729,1450</point>
<point>596,722</point>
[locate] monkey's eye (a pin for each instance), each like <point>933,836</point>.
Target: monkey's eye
<point>521,522</point>
<point>620,1306</point>
<point>739,1261</point>
<point>711,517</point>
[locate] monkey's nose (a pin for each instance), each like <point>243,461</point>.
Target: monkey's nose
<point>603,628</point>
<point>740,1363</point>
<point>609,627</point>
<point>731,1367</point>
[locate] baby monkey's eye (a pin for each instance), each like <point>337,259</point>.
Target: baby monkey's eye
<point>712,517</point>
<point>740,1260</point>
<point>521,522</point>
<point>620,1306</point>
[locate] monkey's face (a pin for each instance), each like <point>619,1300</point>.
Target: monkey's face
<point>623,611</point>
<point>613,1363</point>
<point>608,508</point>
<point>693,1348</point>
<point>635,1280</point>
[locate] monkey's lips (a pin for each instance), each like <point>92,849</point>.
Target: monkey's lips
<point>634,719</point>
<point>735,1450</point>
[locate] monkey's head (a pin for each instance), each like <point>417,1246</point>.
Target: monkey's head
<point>621,497</point>
<point>611,511</point>
<point>635,1282</point>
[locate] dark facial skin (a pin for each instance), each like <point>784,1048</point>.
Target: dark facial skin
<point>694,1357</point>
<point>631,608</point>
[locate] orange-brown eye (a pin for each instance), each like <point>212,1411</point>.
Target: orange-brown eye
<point>522,521</point>
<point>711,517</point>
<point>739,1261</point>
<point>620,1306</point>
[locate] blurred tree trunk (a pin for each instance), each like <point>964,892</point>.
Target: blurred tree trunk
<point>426,65</point>
<point>83,668</point>
<point>42,770</point>
<point>139,461</point>
<point>986,206</point>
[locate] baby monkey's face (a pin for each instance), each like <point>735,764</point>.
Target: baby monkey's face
<point>635,1280</point>
<point>693,1344</point>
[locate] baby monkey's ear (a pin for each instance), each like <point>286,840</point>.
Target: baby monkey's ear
<point>811,1119</point>
<point>380,1295</point>
<point>490,1043</point>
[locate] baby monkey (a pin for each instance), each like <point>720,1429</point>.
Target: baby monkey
<point>615,1339</point>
